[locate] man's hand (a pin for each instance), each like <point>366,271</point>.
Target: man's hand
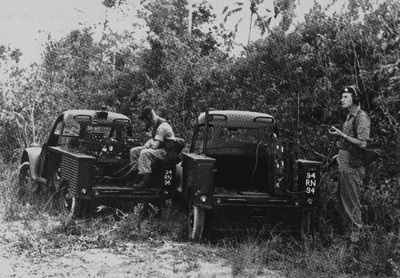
<point>335,132</point>
<point>155,144</point>
<point>152,144</point>
<point>148,144</point>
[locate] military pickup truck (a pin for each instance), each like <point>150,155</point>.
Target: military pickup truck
<point>86,162</point>
<point>240,176</point>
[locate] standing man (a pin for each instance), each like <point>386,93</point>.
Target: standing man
<point>154,149</point>
<point>352,140</point>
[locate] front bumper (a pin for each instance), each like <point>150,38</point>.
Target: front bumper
<point>256,213</point>
<point>128,193</point>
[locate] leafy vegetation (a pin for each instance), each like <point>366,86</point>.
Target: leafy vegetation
<point>293,75</point>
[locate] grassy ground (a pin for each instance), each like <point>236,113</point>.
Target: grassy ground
<point>323,254</point>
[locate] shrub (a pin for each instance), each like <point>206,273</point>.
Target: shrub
<point>10,204</point>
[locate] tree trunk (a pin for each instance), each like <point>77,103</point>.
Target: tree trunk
<point>251,21</point>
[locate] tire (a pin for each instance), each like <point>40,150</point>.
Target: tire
<point>28,188</point>
<point>69,203</point>
<point>55,181</point>
<point>305,224</point>
<point>177,199</point>
<point>196,222</point>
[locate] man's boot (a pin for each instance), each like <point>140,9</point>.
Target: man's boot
<point>144,181</point>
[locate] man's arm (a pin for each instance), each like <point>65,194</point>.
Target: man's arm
<point>164,131</point>
<point>355,141</point>
<point>148,143</point>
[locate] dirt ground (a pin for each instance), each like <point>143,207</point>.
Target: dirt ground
<point>25,253</point>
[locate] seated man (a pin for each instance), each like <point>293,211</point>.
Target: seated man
<point>154,149</point>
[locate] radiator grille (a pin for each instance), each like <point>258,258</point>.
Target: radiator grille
<point>70,171</point>
<point>78,172</point>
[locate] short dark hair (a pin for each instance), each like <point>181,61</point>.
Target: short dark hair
<point>146,113</point>
<point>355,93</point>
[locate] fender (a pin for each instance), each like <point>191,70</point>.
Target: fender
<point>32,155</point>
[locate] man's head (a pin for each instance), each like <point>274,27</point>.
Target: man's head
<point>147,116</point>
<point>350,96</point>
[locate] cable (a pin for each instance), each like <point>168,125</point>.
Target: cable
<point>255,166</point>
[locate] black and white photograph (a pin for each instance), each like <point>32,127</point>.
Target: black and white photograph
<point>200,138</point>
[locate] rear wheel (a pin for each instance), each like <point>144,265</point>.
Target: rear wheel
<point>305,224</point>
<point>196,222</point>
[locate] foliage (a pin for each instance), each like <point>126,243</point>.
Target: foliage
<point>112,3</point>
<point>263,19</point>
<point>176,64</point>
<point>6,54</point>
<point>86,70</point>
<point>260,21</point>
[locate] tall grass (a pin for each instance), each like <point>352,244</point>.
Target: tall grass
<point>377,254</point>
<point>17,203</point>
<point>10,205</point>
<point>147,221</point>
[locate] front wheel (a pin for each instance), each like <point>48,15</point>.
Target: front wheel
<point>28,188</point>
<point>69,203</point>
<point>196,222</point>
